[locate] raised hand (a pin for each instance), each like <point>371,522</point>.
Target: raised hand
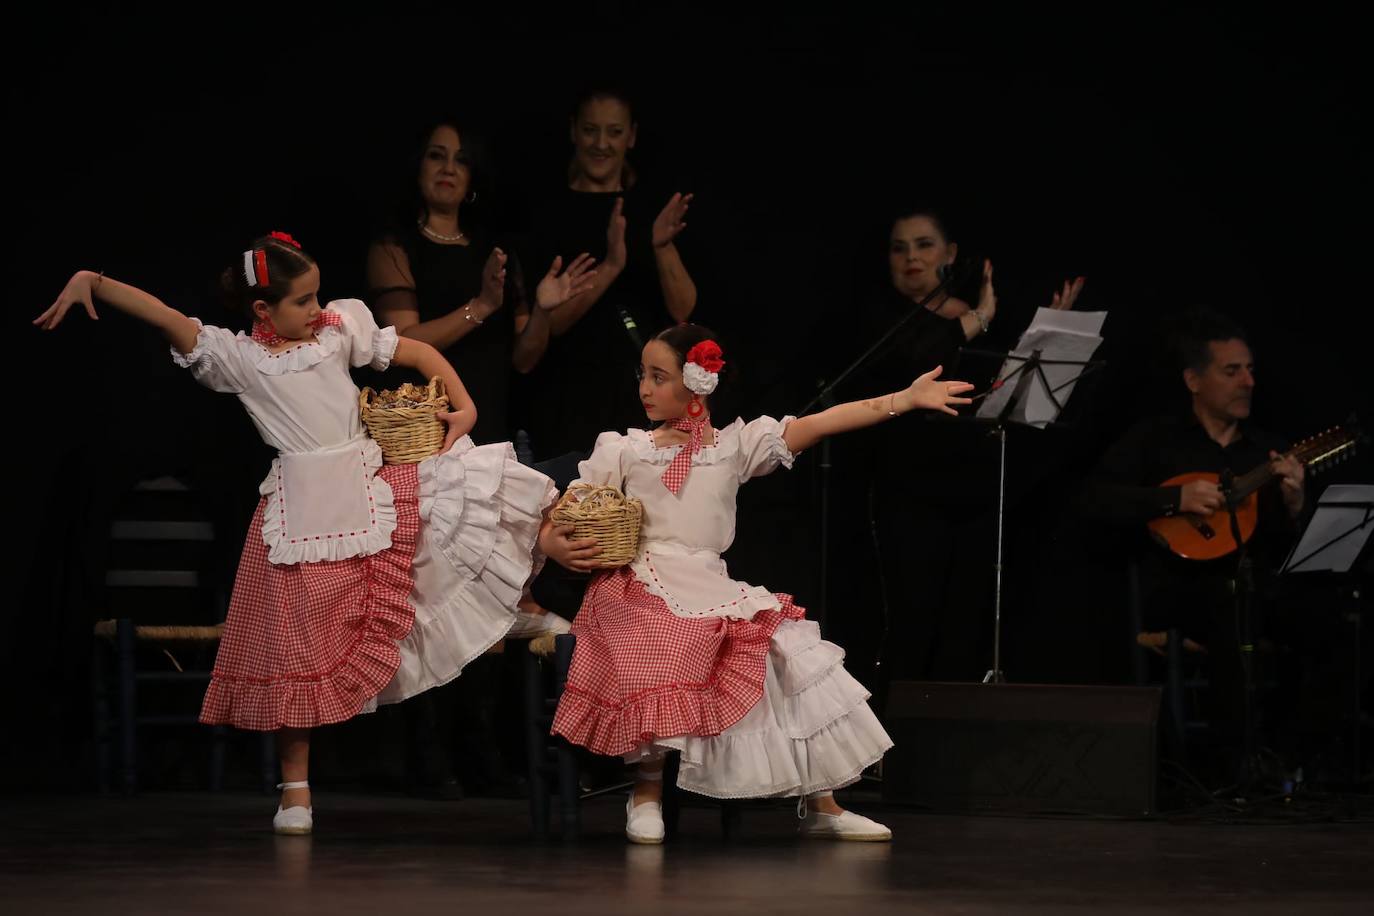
<point>557,288</point>
<point>987,296</point>
<point>615,236</point>
<point>671,220</point>
<point>1066,297</point>
<point>494,279</point>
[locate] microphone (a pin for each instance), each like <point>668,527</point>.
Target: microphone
<point>631,328</point>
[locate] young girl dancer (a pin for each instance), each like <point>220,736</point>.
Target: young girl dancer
<point>356,579</point>
<point>674,654</point>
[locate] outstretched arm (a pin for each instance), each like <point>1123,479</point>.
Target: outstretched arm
<point>85,286</point>
<point>926,393</point>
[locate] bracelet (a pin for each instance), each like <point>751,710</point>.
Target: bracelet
<point>982,322</point>
<point>892,405</point>
<point>467,313</point>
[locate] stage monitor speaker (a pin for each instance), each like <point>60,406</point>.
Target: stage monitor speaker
<point>1022,748</point>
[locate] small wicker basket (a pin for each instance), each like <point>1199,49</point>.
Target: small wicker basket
<point>406,434</point>
<point>606,514</point>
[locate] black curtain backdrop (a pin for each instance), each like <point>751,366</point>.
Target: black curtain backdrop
<point>1174,155</point>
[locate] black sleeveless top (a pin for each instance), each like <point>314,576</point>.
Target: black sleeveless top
<point>446,278</point>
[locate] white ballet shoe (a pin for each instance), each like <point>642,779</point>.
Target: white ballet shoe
<point>843,826</point>
<point>531,625</point>
<point>297,820</point>
<point>643,822</point>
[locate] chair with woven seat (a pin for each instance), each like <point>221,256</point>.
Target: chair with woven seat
<point>166,613</point>
<point>1180,715</point>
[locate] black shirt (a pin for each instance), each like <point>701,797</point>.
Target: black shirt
<point>585,384</point>
<point>1126,490</point>
<point>1126,486</point>
<point>926,459</point>
<point>446,278</point>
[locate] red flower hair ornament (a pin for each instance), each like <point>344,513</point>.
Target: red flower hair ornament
<point>701,370</point>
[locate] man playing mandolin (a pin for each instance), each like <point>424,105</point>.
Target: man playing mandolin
<point>1172,475</point>
<point>1221,379</point>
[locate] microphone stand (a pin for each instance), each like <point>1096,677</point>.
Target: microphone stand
<point>826,398</point>
<point>1242,595</point>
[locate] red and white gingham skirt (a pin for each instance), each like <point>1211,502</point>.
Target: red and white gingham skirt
<point>310,643</point>
<point>641,673</point>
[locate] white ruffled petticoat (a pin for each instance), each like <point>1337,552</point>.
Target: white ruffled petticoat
<point>480,512</point>
<point>811,731</point>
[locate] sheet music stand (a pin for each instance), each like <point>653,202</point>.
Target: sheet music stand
<point>1029,374</point>
<point>1337,534</point>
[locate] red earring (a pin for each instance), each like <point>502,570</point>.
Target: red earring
<point>695,408</point>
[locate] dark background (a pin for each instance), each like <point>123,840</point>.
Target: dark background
<point>1174,155</point>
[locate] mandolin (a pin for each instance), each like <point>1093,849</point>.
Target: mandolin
<point>1207,537</point>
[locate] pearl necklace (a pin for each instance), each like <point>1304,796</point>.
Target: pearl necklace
<point>439,236</point>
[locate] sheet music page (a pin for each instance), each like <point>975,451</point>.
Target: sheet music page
<point>1330,522</point>
<point>1057,334</point>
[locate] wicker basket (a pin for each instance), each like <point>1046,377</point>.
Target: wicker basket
<point>606,514</point>
<point>406,434</point>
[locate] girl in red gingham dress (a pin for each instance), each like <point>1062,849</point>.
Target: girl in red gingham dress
<point>674,654</point>
<point>359,583</point>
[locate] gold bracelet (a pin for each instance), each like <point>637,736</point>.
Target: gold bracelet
<point>467,313</point>
<point>892,406</point>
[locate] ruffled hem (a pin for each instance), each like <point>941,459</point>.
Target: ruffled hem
<point>384,344</point>
<point>725,450</point>
<point>285,551</point>
<point>454,624</point>
<point>775,448</point>
<point>615,731</point>
<point>383,618</point>
<point>804,658</point>
<point>199,352</point>
<point>768,765</point>
<point>309,701</point>
<point>482,511</point>
<point>819,736</point>
<point>328,340</point>
<point>447,640</point>
<point>615,728</point>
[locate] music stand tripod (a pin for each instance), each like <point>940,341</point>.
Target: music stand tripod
<point>1336,536</point>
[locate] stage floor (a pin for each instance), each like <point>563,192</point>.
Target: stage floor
<point>399,856</point>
